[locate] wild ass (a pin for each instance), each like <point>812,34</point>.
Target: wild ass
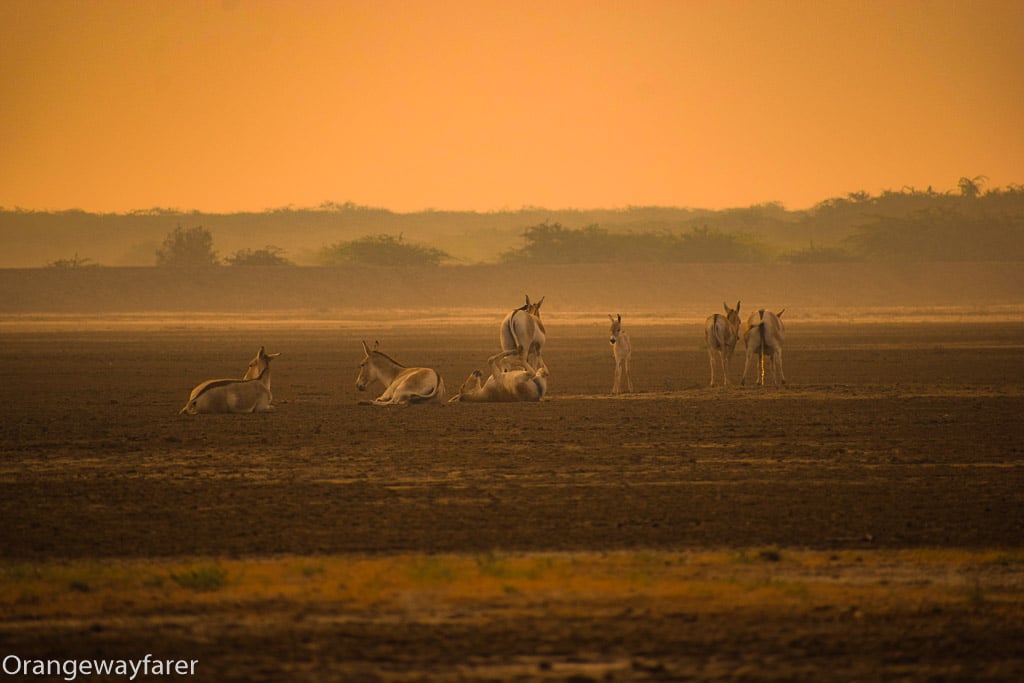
<point>622,352</point>
<point>251,394</point>
<point>523,332</point>
<point>721,332</point>
<point>503,386</point>
<point>763,338</point>
<point>402,385</point>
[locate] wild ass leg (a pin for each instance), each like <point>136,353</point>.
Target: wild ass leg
<point>751,359</point>
<point>533,357</point>
<point>777,367</point>
<point>498,363</point>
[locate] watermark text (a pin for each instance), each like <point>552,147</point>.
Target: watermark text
<point>71,669</point>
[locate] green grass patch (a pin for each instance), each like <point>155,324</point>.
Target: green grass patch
<point>201,578</point>
<point>431,569</point>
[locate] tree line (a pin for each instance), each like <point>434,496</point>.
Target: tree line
<point>971,223</point>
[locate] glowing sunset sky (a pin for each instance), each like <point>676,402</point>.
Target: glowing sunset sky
<point>112,106</point>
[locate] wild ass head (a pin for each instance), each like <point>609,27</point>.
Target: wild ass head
<point>376,366</point>
<point>259,364</point>
<point>732,315</point>
<point>533,308</point>
<point>616,328</point>
<point>367,373</point>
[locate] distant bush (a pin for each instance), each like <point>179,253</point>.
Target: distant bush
<point>187,247</point>
<point>815,254</point>
<point>552,243</point>
<point>944,234</point>
<point>73,262</point>
<point>267,256</point>
<point>382,250</point>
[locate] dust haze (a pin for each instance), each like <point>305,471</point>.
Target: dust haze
<point>688,292</point>
<point>911,252</point>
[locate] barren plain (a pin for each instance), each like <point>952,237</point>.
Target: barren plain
<point>863,522</point>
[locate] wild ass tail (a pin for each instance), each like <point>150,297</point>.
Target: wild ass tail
<point>512,328</point>
<point>760,331</point>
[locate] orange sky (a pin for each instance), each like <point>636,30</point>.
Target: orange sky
<point>110,105</point>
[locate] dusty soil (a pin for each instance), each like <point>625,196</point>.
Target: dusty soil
<point>888,438</point>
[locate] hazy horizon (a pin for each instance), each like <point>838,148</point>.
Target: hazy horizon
<point>984,183</point>
<point>244,106</point>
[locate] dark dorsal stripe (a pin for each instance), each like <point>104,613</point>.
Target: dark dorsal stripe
<point>389,358</point>
<point>213,384</point>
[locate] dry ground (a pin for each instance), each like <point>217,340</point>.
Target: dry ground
<point>864,522</point>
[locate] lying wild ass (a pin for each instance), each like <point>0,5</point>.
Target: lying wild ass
<point>622,352</point>
<point>763,338</point>
<point>503,386</point>
<point>402,385</point>
<point>721,332</point>
<point>523,332</point>
<point>248,395</point>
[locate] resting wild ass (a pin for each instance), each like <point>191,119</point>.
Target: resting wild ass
<point>721,332</point>
<point>763,338</point>
<point>622,352</point>
<point>523,332</point>
<point>402,385</point>
<point>503,386</point>
<point>251,394</point>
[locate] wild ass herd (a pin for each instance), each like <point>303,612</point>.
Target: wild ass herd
<point>516,373</point>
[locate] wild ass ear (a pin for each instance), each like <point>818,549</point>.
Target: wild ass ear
<point>725,306</point>
<point>611,317</point>
<point>366,349</point>
<point>779,314</point>
<point>619,318</point>
<point>540,302</point>
<point>262,353</point>
<point>376,344</point>
<point>737,306</point>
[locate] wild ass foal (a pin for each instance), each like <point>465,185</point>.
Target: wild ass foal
<point>503,386</point>
<point>622,352</point>
<point>402,385</point>
<point>721,332</point>
<point>523,332</point>
<point>763,338</point>
<point>251,394</point>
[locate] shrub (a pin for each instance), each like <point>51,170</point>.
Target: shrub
<point>267,256</point>
<point>73,262</point>
<point>187,247</point>
<point>382,250</point>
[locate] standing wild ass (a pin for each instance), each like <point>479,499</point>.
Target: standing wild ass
<point>763,338</point>
<point>622,352</point>
<point>251,394</point>
<point>402,385</point>
<point>523,332</point>
<point>503,386</point>
<point>721,332</point>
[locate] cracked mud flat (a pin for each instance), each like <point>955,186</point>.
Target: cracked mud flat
<point>865,522</point>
